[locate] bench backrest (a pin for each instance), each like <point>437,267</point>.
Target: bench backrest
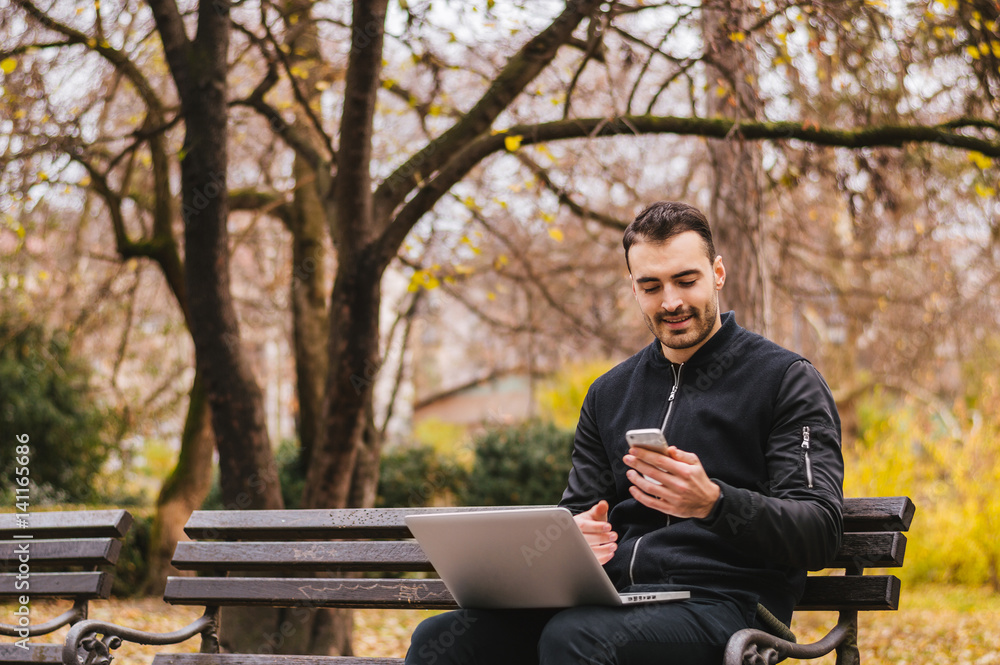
<point>60,554</point>
<point>290,558</point>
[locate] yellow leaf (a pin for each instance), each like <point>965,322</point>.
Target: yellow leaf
<point>322,85</point>
<point>980,160</point>
<point>548,217</point>
<point>8,65</point>
<point>299,72</point>
<point>972,51</point>
<point>984,191</point>
<point>501,261</point>
<point>738,37</point>
<point>556,234</point>
<point>43,176</point>
<point>512,143</point>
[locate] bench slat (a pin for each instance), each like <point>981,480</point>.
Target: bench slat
<point>309,591</point>
<point>883,513</point>
<point>67,524</point>
<point>270,659</point>
<point>397,556</point>
<point>77,552</point>
<point>311,523</point>
<point>871,550</point>
<point>35,653</point>
<point>870,592</point>
<point>59,585</point>
<point>852,592</point>
<point>860,514</point>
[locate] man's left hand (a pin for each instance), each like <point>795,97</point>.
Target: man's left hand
<point>686,490</point>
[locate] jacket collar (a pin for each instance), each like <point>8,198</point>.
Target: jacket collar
<point>723,337</point>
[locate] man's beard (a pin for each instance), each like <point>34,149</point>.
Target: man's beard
<point>700,326</point>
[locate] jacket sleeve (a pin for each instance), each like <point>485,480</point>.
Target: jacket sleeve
<point>591,477</point>
<point>797,519</point>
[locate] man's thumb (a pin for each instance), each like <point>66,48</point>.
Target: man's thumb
<point>600,510</point>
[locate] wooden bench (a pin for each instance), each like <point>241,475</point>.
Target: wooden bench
<point>65,555</point>
<point>232,549</point>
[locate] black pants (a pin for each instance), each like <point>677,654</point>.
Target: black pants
<point>691,632</point>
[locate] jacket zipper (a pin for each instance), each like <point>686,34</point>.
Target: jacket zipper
<point>805,450</point>
<point>673,394</point>
<point>663,428</point>
<point>631,563</point>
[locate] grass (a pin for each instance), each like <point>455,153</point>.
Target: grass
<point>957,625</point>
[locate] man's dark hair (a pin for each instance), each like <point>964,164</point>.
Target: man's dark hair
<point>662,221</point>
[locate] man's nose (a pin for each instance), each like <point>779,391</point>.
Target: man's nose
<point>672,300</point>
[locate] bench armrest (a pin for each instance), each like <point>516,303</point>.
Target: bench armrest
<point>82,646</point>
<point>75,613</point>
<point>756,647</point>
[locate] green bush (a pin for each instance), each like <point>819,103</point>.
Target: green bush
<point>45,396</point>
<point>418,476</point>
<point>524,464</point>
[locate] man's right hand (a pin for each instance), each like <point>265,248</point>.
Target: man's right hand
<point>597,530</point>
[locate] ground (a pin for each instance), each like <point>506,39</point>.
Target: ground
<point>936,624</point>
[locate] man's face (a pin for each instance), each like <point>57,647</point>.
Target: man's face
<point>677,288</point>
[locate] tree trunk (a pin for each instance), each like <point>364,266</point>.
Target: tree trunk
<point>307,223</point>
<point>248,472</point>
<point>182,492</point>
<point>354,364</point>
<point>735,207</point>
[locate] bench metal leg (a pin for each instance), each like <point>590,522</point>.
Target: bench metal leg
<point>847,650</point>
<point>756,647</point>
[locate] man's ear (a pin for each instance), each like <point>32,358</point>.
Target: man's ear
<point>719,271</point>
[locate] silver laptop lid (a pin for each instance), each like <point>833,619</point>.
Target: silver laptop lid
<point>519,558</point>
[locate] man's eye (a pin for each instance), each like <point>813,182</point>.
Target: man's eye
<point>651,289</point>
<point>688,284</point>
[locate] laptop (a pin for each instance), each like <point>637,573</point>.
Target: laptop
<point>519,558</point>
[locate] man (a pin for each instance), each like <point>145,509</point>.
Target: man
<point>746,499</point>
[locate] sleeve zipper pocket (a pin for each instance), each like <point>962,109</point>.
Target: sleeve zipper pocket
<point>805,451</point>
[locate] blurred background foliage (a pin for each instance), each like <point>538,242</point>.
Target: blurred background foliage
<point>46,394</point>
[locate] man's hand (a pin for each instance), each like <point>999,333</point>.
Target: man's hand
<point>597,530</point>
<point>686,490</point>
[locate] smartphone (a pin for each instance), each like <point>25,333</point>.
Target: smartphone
<point>650,439</point>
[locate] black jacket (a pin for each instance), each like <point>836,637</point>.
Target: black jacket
<point>764,424</point>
